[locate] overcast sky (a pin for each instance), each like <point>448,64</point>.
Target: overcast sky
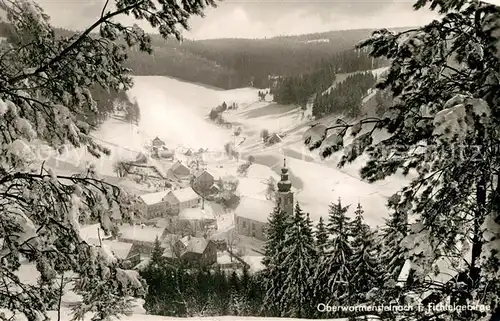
<point>264,18</point>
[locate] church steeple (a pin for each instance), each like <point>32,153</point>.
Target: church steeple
<point>284,194</point>
<point>284,185</point>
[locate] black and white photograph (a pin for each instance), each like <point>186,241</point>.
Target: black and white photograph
<point>249,160</point>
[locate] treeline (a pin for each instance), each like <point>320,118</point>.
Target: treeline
<point>183,291</point>
<point>340,262</point>
<point>182,64</point>
<point>236,63</point>
<point>346,97</point>
<point>299,89</point>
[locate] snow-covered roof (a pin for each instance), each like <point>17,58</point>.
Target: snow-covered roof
<point>157,140</point>
<point>138,233</point>
<point>120,249</point>
<point>177,166</point>
<point>153,198</point>
<point>254,209</point>
<point>92,232</point>
<point>197,213</point>
<point>198,173</point>
<point>185,194</point>
<point>194,244</point>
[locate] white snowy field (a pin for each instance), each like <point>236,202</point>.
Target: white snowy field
<point>173,110</point>
<point>177,112</point>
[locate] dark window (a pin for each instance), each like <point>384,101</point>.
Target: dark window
<point>253,226</point>
<point>244,224</point>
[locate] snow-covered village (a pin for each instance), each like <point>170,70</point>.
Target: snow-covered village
<point>256,160</point>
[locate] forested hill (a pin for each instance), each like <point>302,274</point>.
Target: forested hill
<point>233,63</point>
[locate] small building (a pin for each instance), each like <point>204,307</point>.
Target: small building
<point>179,170</point>
<point>158,143</point>
<point>121,250</point>
<point>251,217</point>
<point>141,159</point>
<point>153,205</point>
<point>141,236</point>
<point>203,182</point>
<point>196,221</point>
<point>196,250</point>
<point>179,199</point>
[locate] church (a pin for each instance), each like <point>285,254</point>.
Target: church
<point>252,214</point>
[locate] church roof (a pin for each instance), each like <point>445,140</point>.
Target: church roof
<point>254,209</point>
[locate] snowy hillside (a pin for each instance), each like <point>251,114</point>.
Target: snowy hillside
<point>177,111</point>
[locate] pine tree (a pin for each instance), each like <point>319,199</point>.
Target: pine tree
<point>333,272</point>
<point>365,264</point>
<point>321,236</point>
<point>274,275</point>
<point>393,253</point>
<point>156,254</point>
<point>298,264</point>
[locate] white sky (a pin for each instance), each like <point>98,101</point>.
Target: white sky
<point>265,18</point>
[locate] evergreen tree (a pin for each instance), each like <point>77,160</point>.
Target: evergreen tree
<point>365,258</point>
<point>274,275</point>
<point>321,236</point>
<point>298,264</point>
<point>393,254</point>
<point>156,254</point>
<point>333,272</point>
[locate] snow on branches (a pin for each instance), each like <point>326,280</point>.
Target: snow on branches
<point>443,127</point>
<point>45,99</point>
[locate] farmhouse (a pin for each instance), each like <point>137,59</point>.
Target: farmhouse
<point>196,221</point>
<point>179,199</point>
<point>142,237</point>
<point>153,204</point>
<point>158,143</point>
<point>196,250</point>
<point>180,171</point>
<point>203,178</point>
<point>141,159</point>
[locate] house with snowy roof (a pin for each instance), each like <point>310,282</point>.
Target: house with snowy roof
<point>196,221</point>
<point>141,158</point>
<point>157,142</point>
<point>179,199</point>
<point>153,205</point>
<point>141,236</point>
<point>179,171</point>
<point>121,250</point>
<point>196,250</point>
